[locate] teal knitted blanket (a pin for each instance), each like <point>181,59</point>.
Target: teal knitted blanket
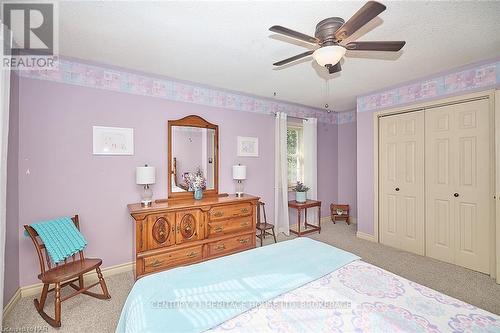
<point>61,238</point>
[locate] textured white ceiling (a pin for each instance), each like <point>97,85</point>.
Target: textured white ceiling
<point>228,45</point>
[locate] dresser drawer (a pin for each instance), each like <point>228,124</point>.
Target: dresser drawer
<point>230,211</point>
<point>233,244</point>
<point>231,226</point>
<point>173,258</point>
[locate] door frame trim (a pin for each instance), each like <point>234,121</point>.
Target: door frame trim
<point>495,104</point>
<point>496,97</point>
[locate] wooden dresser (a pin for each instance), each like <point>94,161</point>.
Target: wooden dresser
<point>185,231</point>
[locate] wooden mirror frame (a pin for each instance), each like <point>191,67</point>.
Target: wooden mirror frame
<point>192,121</point>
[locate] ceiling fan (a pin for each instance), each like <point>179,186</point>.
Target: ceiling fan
<point>332,31</point>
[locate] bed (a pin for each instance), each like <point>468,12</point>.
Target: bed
<point>283,288</point>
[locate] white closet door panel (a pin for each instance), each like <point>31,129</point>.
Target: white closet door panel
<point>473,185</point>
<point>458,184</point>
<point>401,181</point>
<point>439,178</point>
<point>411,182</point>
<point>388,177</point>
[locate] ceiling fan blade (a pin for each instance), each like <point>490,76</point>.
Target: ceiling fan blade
<point>364,15</point>
<point>376,46</point>
<point>297,57</point>
<point>334,68</point>
<point>294,34</point>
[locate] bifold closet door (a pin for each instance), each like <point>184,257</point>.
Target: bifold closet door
<point>401,181</point>
<point>457,171</point>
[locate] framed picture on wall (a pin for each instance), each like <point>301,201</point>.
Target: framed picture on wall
<point>113,140</point>
<point>248,146</point>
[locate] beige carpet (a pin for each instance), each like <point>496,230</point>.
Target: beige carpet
<point>86,314</point>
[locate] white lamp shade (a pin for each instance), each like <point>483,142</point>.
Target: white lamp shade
<point>329,55</point>
<point>145,175</point>
<point>239,172</point>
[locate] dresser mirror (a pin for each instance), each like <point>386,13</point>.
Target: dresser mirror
<point>192,151</point>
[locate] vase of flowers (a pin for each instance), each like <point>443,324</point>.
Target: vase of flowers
<point>198,194</point>
<point>300,192</point>
<point>197,183</point>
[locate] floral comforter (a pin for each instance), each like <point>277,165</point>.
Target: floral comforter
<point>360,297</point>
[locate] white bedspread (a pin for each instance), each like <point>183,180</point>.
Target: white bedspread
<point>360,297</point>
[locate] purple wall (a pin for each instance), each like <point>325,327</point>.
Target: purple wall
<point>327,166</point>
<point>11,282</point>
<point>347,166</point>
<point>365,172</point>
<point>58,175</point>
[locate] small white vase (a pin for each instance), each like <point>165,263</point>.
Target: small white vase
<point>301,197</point>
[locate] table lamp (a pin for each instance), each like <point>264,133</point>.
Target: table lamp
<point>146,176</point>
<point>239,174</point>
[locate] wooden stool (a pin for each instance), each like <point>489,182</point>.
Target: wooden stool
<point>264,226</point>
<point>339,212</point>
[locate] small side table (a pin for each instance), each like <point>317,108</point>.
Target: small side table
<point>303,206</point>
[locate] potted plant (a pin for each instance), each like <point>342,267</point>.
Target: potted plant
<point>300,192</point>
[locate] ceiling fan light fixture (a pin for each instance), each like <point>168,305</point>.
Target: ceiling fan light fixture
<point>329,55</point>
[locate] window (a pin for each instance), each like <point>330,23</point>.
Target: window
<point>294,154</point>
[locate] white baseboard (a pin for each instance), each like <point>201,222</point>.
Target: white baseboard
<point>367,237</point>
<point>12,302</point>
<point>36,289</point>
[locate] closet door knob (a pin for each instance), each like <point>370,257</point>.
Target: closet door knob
<point>456,195</point>
<point>397,189</point>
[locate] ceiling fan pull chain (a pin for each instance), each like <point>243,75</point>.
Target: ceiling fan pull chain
<point>327,93</point>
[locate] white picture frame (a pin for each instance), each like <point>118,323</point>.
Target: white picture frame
<point>112,140</point>
<point>248,146</point>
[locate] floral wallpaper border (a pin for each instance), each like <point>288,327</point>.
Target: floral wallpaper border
<point>476,77</point>
<point>101,77</point>
<point>346,117</point>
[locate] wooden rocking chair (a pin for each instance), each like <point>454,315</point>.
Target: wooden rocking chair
<point>64,274</point>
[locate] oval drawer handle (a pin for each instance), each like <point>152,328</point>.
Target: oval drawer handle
<point>220,247</point>
<point>156,263</point>
<point>218,214</point>
<point>244,210</point>
<point>218,229</point>
<point>243,241</point>
<point>192,254</point>
<point>244,224</point>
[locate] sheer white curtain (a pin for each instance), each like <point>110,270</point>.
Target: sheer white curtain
<point>4,132</point>
<point>310,130</point>
<point>281,220</point>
